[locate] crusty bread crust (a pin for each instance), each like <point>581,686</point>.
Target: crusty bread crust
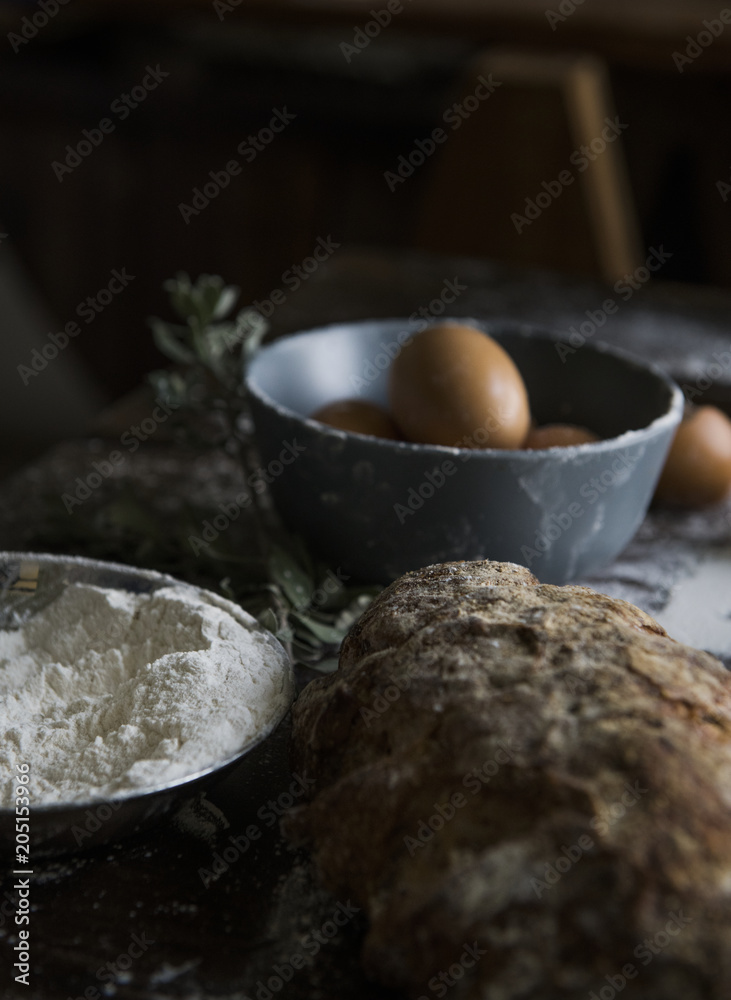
<point>539,771</point>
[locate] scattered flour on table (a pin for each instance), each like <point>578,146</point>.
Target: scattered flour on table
<point>105,692</point>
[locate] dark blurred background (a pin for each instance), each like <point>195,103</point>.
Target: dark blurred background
<point>230,66</point>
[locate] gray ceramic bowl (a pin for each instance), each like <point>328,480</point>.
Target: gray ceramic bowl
<point>29,581</point>
<point>378,508</point>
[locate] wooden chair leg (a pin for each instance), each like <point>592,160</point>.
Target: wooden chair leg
<point>535,174</point>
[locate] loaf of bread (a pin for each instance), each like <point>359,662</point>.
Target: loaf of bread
<point>527,789</point>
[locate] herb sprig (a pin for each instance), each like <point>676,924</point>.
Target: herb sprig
<point>308,607</point>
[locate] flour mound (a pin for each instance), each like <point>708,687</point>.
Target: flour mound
<point>105,692</point>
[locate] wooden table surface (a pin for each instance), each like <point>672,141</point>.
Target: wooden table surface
<point>226,939</point>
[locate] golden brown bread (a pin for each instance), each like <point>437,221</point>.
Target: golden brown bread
<point>528,785</point>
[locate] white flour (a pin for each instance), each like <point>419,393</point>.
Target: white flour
<point>104,692</point>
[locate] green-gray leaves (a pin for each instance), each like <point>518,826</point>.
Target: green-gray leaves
<point>309,608</point>
<point>205,338</point>
<point>206,300</point>
<point>286,573</point>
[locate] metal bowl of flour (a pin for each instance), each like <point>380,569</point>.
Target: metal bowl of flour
<point>28,583</point>
<point>378,508</point>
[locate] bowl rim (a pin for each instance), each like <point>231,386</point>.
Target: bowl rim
<point>671,417</point>
<point>51,808</point>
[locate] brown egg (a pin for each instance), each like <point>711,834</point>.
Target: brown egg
<point>454,385</point>
<point>358,415</point>
<point>558,435</point>
<point>698,468</point>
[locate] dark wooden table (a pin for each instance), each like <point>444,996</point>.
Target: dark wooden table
<point>138,919</point>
